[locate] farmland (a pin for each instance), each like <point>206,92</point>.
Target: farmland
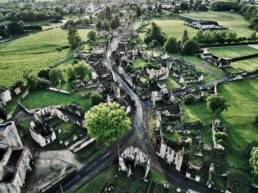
<point>233,51</point>
<point>233,21</point>
<point>33,52</point>
<point>246,65</point>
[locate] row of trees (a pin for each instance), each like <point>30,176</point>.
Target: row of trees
<point>28,15</point>
<point>81,70</point>
<point>186,46</point>
<point>17,28</point>
<point>106,25</point>
<point>73,38</point>
<point>221,37</point>
<point>250,12</point>
<point>106,20</point>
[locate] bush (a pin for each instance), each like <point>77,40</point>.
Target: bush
<point>189,99</point>
<point>96,98</point>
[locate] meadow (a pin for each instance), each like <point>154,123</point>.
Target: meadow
<point>242,96</point>
<point>233,21</point>
<point>44,98</point>
<point>33,52</point>
<point>246,65</point>
<point>233,51</point>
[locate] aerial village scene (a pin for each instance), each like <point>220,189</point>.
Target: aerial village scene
<point>128,96</point>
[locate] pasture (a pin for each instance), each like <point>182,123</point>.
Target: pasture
<point>233,51</point>
<point>233,21</point>
<point>33,52</point>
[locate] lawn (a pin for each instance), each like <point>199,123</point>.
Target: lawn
<point>242,96</point>
<point>233,21</point>
<point>139,63</point>
<point>233,51</point>
<point>33,52</point>
<point>44,98</point>
<point>246,65</point>
<point>96,184</point>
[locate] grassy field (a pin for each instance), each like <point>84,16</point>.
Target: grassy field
<point>34,52</point>
<point>233,21</point>
<point>44,98</point>
<point>242,97</point>
<point>233,51</point>
<point>247,65</point>
<point>171,26</point>
<point>139,63</point>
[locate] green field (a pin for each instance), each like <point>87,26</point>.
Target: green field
<point>171,26</point>
<point>242,97</point>
<point>44,98</point>
<point>34,52</point>
<point>139,63</point>
<point>233,21</point>
<point>246,65</point>
<point>233,51</point>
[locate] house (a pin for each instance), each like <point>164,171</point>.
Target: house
<point>170,155</point>
<point>5,96</point>
<point>204,25</point>
<point>14,159</point>
<point>131,157</point>
<point>42,133</point>
<point>215,60</point>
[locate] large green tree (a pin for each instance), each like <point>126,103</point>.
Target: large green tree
<point>56,75</point>
<point>184,38</point>
<point>92,36</point>
<point>190,47</point>
<point>217,104</point>
<point>107,122</point>
<point>115,23</point>
<point>74,38</point>
<point>171,45</point>
<point>155,34</point>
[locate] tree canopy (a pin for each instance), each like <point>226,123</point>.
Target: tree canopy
<point>107,122</point>
<point>171,45</point>
<point>190,47</point>
<point>92,36</point>
<point>155,34</point>
<point>74,38</point>
<point>217,104</point>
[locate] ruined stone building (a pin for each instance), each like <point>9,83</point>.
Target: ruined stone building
<point>14,159</point>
